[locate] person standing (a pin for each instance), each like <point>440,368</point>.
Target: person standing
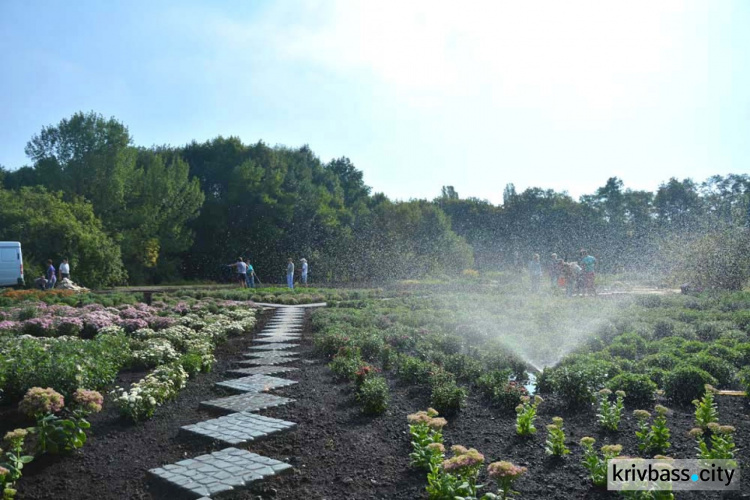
<point>290,274</point>
<point>51,275</point>
<point>588,264</point>
<point>303,276</point>
<point>241,269</point>
<point>64,270</point>
<point>250,274</point>
<point>535,272</point>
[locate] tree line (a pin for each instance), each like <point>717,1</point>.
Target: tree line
<point>128,214</point>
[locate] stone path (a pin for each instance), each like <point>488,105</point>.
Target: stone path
<point>231,468</point>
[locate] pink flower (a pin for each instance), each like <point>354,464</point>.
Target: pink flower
<point>38,401</point>
<point>501,470</point>
<point>88,401</point>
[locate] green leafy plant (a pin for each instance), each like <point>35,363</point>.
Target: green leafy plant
<point>505,475</point>
<point>596,464</point>
<point>373,395</point>
<point>526,414</point>
<point>686,383</point>
<point>718,444</point>
<point>653,438</point>
<point>446,396</point>
<point>502,392</point>
<point>610,413</point>
<point>455,477</point>
<point>555,444</point>
<point>706,411</point>
<point>638,387</point>
<point>425,429</point>
<point>12,461</point>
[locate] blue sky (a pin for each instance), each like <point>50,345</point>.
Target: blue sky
<point>417,94</point>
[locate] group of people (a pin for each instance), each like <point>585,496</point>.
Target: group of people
<point>576,277</point>
<point>246,274</point>
<point>52,275</point>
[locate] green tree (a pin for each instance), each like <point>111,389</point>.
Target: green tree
<point>50,228</point>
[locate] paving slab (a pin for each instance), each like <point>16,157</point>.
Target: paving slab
<point>280,360</point>
<point>261,370</point>
<point>276,339</point>
<point>239,428</point>
<point>220,471</point>
<point>269,354</point>
<point>251,401</point>
<point>256,383</point>
<point>277,346</point>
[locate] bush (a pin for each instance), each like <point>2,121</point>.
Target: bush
<point>373,395</point>
<point>663,360</point>
<point>191,363</point>
<point>657,376</point>
<point>664,328</point>
<point>463,367</point>
<point>345,364</point>
<point>502,392</point>
<point>413,370</point>
<point>686,383</point>
<point>639,389</point>
<point>446,396</point>
<point>721,370</point>
<point>744,377</point>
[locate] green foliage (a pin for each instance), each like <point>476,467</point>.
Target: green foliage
<point>51,228</point>
<point>346,364</point>
<point>446,396</point>
<point>526,415</point>
<point>653,438</point>
<point>413,370</point>
<point>686,383</point>
<point>639,388</point>
<point>596,464</point>
<point>706,411</point>
<point>373,395</point>
<point>609,413</point>
<point>555,444</point>
<point>721,370</point>
<point>502,392</point>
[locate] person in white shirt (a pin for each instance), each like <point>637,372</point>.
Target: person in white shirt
<point>64,270</point>
<point>303,277</point>
<point>241,268</point>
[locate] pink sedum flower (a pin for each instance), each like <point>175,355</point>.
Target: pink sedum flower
<point>502,470</point>
<point>38,401</point>
<point>88,401</point>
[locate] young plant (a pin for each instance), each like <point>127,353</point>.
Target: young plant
<point>505,474</point>
<point>373,395</point>
<point>55,434</point>
<point>721,442</point>
<point>610,413</point>
<point>555,444</point>
<point>425,428</point>
<point>706,411</point>
<point>596,465</point>
<point>12,461</point>
<point>526,414</point>
<point>457,476</point>
<point>653,438</point>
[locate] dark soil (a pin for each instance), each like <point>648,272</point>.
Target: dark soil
<point>337,453</point>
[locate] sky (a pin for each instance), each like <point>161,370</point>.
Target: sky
<point>418,94</point>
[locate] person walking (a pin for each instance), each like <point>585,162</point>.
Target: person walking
<point>290,273</point>
<point>535,272</point>
<point>64,270</point>
<point>241,269</point>
<point>51,275</point>
<point>250,274</point>
<point>588,264</point>
<point>303,275</point>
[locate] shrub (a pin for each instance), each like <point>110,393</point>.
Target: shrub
<point>413,370</point>
<point>463,367</point>
<point>721,370</point>
<point>664,328</point>
<point>191,363</point>
<point>503,393</point>
<point>657,376</point>
<point>373,395</point>
<point>744,377</point>
<point>663,360</point>
<point>446,396</point>
<point>345,364</point>
<point>686,383</point>
<point>574,385</point>
<point>627,351</point>
<point>638,388</point>
<point>370,346</point>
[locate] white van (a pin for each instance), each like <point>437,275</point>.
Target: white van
<point>11,264</point>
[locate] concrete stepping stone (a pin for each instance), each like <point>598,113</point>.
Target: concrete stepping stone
<point>261,370</point>
<point>278,346</point>
<point>278,339</point>
<point>218,472</point>
<point>269,354</point>
<point>239,428</point>
<point>256,383</point>
<point>251,401</point>
<point>279,360</point>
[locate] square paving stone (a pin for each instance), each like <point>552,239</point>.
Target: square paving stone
<point>269,354</point>
<point>238,428</point>
<point>247,467</point>
<point>278,360</point>
<point>276,346</point>
<point>251,401</point>
<point>276,339</point>
<point>256,383</point>
<point>261,370</point>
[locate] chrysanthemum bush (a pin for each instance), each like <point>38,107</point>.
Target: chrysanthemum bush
<point>162,385</point>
